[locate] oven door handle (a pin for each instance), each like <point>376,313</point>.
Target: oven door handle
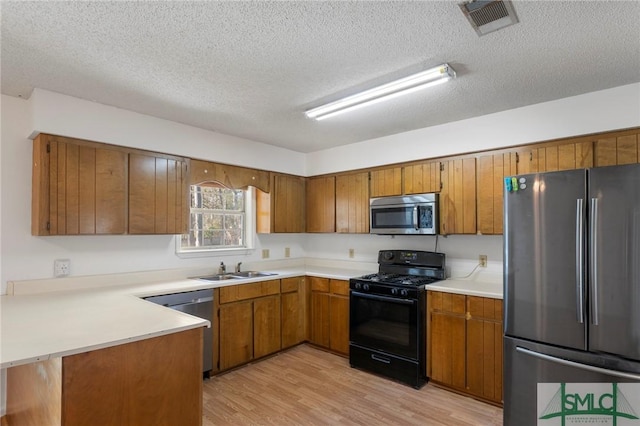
<point>383,298</point>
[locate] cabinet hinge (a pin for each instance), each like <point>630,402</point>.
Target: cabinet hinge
<point>440,186</point>
<point>48,226</point>
<point>48,148</point>
<point>442,167</point>
<point>218,313</point>
<point>517,157</point>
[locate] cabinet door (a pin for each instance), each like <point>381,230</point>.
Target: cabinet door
<point>491,172</point>
<point>447,339</point>
<point>566,156</point>
<point>458,197</point>
<point>339,324</point>
<point>484,347</point>
<point>236,334</point>
<point>293,311</point>
<point>78,188</point>
<point>321,204</point>
<point>386,182</point>
<point>288,204</point>
<point>352,203</point>
<point>266,326</point>
<point>320,320</point>
<point>157,195</point>
<point>622,149</point>
<point>421,178</point>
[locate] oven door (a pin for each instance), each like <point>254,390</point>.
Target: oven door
<point>384,323</point>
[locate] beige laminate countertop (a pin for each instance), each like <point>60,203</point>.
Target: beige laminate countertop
<point>491,289</point>
<point>53,324</point>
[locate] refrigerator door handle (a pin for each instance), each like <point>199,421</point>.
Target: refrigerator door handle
<point>593,258</point>
<point>579,365</point>
<point>580,260</point>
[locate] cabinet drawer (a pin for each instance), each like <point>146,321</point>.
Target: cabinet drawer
<point>485,308</point>
<point>289,285</point>
<point>320,284</point>
<point>339,287</point>
<point>447,302</point>
<point>236,293</point>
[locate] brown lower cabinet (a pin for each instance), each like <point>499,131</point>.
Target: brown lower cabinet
<point>294,312</point>
<point>330,314</point>
<point>156,381</point>
<point>249,322</point>
<point>464,344</point>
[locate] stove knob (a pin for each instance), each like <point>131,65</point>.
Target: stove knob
<point>366,287</point>
<point>358,286</point>
<point>404,292</point>
<point>388,255</point>
<point>394,291</point>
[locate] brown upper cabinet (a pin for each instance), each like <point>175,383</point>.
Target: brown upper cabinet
<point>492,169</point>
<point>386,182</point>
<point>352,203</point>
<point>321,204</point>
<point>568,155</point>
<point>83,188</point>
<point>620,148</point>
<point>458,197</point>
<point>232,177</point>
<point>283,209</point>
<point>158,194</point>
<point>79,187</point>
<point>422,178</point>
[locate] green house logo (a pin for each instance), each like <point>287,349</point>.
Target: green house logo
<point>584,405</point>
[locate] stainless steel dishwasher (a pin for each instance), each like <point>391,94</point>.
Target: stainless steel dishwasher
<point>198,303</point>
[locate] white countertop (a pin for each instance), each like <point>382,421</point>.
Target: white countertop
<point>491,289</point>
<point>44,325</point>
<point>66,320</point>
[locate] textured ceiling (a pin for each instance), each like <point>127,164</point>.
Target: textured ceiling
<point>250,69</point>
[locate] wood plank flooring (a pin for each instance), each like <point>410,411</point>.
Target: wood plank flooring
<point>307,386</point>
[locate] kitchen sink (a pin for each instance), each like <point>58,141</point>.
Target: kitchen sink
<point>235,275</point>
<point>217,277</point>
<point>251,274</point>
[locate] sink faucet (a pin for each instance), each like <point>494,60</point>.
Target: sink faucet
<point>238,266</point>
<point>222,269</point>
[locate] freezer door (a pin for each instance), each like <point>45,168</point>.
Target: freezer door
<point>614,244</point>
<point>527,364</point>
<point>544,258</point>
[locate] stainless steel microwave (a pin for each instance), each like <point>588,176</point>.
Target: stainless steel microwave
<point>407,214</point>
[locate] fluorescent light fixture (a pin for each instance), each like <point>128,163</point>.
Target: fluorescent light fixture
<point>403,86</point>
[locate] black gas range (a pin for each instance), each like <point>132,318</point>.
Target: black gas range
<point>387,314</point>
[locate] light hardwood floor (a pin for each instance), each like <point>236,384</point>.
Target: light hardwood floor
<point>307,386</point>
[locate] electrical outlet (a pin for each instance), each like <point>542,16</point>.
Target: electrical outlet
<point>61,267</point>
<point>352,253</point>
<point>482,259</point>
<point>265,253</point>
<point>287,252</point>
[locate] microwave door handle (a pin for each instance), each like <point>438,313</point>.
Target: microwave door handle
<point>415,217</point>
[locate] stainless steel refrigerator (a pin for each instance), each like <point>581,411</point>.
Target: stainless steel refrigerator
<point>572,291</point>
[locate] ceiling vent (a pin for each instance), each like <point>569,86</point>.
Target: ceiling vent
<point>487,16</point>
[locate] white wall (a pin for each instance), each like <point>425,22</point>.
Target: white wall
<point>611,109</point>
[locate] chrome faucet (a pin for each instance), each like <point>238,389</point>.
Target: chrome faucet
<point>222,269</point>
<point>238,266</point>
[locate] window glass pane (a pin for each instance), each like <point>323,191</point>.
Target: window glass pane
<point>217,219</point>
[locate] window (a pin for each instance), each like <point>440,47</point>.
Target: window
<point>218,219</point>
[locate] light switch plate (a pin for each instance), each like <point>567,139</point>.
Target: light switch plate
<point>265,253</point>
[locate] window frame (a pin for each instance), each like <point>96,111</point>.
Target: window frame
<point>250,233</point>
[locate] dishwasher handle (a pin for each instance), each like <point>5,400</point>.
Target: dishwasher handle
<point>193,302</point>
